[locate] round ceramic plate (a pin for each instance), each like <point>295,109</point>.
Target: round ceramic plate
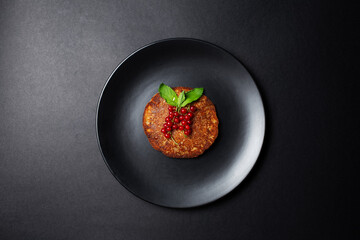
<point>172,182</point>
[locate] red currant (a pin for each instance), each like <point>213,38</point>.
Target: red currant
<point>187,117</point>
<point>186,132</point>
<point>167,119</point>
<point>193,108</point>
<point>171,114</point>
<point>165,125</point>
<point>176,114</point>
<point>183,123</point>
<point>176,119</point>
<point>168,129</point>
<point>174,126</point>
<point>181,127</point>
<point>183,110</point>
<point>167,135</point>
<point>181,117</point>
<point>187,127</point>
<point>169,124</point>
<point>189,122</point>
<point>190,114</point>
<point>163,130</point>
<point>171,109</point>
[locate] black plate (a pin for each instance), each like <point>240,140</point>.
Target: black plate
<point>146,172</point>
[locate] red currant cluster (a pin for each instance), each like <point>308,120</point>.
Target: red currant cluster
<point>178,120</point>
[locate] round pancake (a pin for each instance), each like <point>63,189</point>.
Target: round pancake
<point>204,127</point>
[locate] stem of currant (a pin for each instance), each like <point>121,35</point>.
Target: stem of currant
<point>174,140</point>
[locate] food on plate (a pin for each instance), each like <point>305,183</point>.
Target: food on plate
<point>180,122</point>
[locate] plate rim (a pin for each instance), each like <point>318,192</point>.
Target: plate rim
<point>108,80</point>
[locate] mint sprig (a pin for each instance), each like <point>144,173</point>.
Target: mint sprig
<point>192,96</point>
<point>183,99</point>
<point>168,94</point>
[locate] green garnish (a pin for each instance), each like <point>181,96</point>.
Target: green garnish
<point>192,96</point>
<point>183,99</point>
<point>168,94</point>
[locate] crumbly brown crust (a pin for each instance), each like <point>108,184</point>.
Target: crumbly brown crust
<point>204,127</point>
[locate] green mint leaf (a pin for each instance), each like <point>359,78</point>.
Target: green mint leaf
<point>168,94</point>
<point>181,98</point>
<point>192,96</point>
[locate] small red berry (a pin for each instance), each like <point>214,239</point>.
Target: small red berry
<point>176,114</point>
<point>190,114</point>
<point>189,122</point>
<point>171,114</point>
<point>165,125</point>
<point>181,127</point>
<point>187,132</point>
<point>193,108</point>
<point>183,122</point>
<point>176,119</point>
<point>183,111</point>
<point>167,135</point>
<point>163,130</point>
<point>170,109</point>
<point>167,119</point>
<point>174,126</point>
<point>168,129</point>
<point>187,117</point>
<point>181,118</point>
<point>187,127</point>
<point>169,124</point>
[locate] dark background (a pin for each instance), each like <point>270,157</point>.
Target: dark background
<point>55,57</point>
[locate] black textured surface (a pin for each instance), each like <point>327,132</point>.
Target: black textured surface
<point>55,57</point>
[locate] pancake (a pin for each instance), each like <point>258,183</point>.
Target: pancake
<point>204,127</point>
